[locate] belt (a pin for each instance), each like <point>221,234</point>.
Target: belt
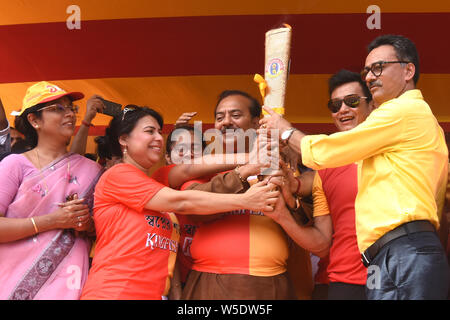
<point>400,231</point>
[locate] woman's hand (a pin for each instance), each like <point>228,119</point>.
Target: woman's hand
<point>262,196</point>
<point>72,214</point>
<point>93,106</point>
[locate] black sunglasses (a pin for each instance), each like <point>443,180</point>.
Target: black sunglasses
<point>377,68</point>
<point>351,100</point>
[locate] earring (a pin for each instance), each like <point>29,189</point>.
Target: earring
<point>125,151</point>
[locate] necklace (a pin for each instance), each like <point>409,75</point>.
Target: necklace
<point>68,176</point>
<point>45,191</point>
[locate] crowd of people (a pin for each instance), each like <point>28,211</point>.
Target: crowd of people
<point>369,201</point>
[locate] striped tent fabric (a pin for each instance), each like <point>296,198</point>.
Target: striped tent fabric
<point>177,56</point>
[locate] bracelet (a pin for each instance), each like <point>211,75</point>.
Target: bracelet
<point>87,124</point>
<point>34,225</point>
<point>244,181</point>
<point>298,185</point>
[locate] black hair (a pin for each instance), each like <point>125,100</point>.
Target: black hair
<point>344,76</point>
<point>255,106</point>
<point>405,50</point>
<point>91,156</point>
<point>20,146</point>
<point>22,125</point>
<point>170,143</point>
<point>108,145</point>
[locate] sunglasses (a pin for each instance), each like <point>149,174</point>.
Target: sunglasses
<point>127,110</point>
<point>377,68</point>
<point>59,108</point>
<point>351,100</point>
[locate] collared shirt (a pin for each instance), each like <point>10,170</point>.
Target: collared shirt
<point>402,168</point>
<point>5,140</point>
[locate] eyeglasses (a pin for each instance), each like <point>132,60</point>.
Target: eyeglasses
<point>351,100</point>
<point>61,108</point>
<point>128,109</point>
<point>377,68</point>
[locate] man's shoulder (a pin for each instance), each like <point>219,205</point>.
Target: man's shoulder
<point>409,99</point>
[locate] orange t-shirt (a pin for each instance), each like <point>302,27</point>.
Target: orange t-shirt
<point>136,247</point>
<point>187,226</point>
<point>334,192</point>
<point>241,242</point>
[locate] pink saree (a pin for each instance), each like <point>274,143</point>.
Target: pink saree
<point>53,264</point>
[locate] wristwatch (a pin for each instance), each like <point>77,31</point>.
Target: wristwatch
<point>287,134</point>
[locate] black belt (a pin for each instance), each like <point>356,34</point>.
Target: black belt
<point>400,231</point>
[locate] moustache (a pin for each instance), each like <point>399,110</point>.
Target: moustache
<point>375,83</point>
<point>230,130</point>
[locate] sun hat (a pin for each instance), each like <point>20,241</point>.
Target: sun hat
<point>44,91</point>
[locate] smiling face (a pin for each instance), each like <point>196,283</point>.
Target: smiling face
<point>144,143</point>
<point>347,118</point>
<point>233,113</point>
<point>53,122</point>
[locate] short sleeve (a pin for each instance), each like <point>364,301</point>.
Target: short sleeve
<point>12,175</point>
<point>125,184</point>
<point>319,198</point>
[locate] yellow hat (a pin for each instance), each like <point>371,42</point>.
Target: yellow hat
<point>44,91</point>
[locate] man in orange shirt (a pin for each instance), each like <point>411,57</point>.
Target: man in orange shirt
<point>241,254</point>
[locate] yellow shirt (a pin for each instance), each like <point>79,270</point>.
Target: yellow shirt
<point>403,173</point>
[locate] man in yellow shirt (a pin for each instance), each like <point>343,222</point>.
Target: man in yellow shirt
<point>402,174</point>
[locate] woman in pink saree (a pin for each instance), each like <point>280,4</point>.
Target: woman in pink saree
<point>45,201</point>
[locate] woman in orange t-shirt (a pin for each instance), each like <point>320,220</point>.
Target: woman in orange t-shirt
<point>137,234</point>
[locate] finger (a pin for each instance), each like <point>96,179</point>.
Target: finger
<point>277,173</point>
<point>272,201</point>
<point>81,212</point>
<point>100,107</point>
<point>260,184</point>
<point>74,201</point>
<point>269,110</point>
<point>277,181</point>
<point>83,217</point>
<point>77,209</point>
<point>273,194</point>
<point>95,96</point>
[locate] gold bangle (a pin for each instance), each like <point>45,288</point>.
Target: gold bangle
<point>34,225</point>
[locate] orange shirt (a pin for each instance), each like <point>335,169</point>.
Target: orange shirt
<point>241,242</point>
<point>334,193</point>
<point>136,247</point>
<point>187,226</point>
